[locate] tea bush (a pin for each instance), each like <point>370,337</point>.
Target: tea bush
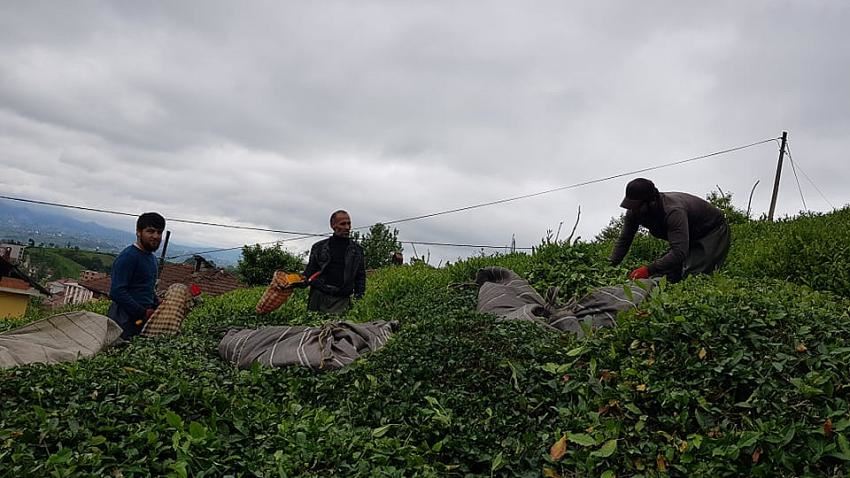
<point>812,249</point>
<point>724,375</point>
<point>575,269</point>
<point>715,376</point>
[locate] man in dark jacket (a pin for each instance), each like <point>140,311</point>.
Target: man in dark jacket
<point>134,273</point>
<point>336,269</point>
<point>696,230</point>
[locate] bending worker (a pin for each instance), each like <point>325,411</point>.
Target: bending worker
<point>696,230</point>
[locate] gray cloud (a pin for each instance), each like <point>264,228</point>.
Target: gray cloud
<point>274,114</point>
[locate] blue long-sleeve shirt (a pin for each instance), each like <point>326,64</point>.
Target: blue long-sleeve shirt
<point>134,281</point>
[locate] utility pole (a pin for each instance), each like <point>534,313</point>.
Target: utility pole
<point>162,256</point>
<point>778,175</point>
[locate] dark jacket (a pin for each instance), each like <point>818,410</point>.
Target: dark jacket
<point>354,276</point>
<point>679,218</point>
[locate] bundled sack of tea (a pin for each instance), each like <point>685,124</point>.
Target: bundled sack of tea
<point>173,309</point>
<point>278,292</point>
<point>510,297</point>
<point>328,347</point>
<point>59,338</point>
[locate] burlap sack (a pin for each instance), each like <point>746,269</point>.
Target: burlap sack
<point>278,292</point>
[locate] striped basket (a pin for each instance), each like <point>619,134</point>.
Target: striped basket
<point>170,314</point>
<point>278,292</point>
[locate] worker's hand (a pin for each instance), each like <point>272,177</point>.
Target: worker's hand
<point>641,272</point>
<point>149,313</point>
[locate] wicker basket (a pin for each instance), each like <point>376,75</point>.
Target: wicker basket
<point>278,292</point>
<point>170,314</point>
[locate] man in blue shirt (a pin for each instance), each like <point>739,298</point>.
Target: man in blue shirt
<point>134,274</point>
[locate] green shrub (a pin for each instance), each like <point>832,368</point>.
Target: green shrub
<point>812,249</point>
<point>715,376</point>
<point>575,269</point>
<point>258,264</point>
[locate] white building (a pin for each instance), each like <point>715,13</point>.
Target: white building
<point>14,253</point>
<point>77,294</point>
<point>57,286</point>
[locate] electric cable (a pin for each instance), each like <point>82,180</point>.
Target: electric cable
<point>797,178</point>
<point>790,157</point>
<point>303,235</point>
<point>576,185</point>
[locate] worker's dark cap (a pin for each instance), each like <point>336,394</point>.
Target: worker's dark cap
<point>638,191</point>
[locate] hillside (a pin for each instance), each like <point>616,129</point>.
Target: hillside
<point>743,373</point>
<point>52,228</point>
<point>57,263</point>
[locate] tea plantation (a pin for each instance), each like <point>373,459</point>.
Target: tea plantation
<point>744,373</point>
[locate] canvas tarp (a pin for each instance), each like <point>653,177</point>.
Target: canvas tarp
<point>59,338</point>
<point>331,346</point>
<point>507,295</point>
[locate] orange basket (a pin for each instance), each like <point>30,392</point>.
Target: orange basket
<point>278,292</point>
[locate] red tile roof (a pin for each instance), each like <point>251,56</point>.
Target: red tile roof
<point>14,283</point>
<point>211,281</point>
<point>7,269</point>
<point>100,285</point>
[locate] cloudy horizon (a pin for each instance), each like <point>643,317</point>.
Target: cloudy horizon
<point>274,114</point>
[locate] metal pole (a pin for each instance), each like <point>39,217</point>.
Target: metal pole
<point>162,256</point>
<point>778,175</point>
<point>750,202</point>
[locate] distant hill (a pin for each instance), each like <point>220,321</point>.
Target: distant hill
<point>53,228</point>
<point>60,263</point>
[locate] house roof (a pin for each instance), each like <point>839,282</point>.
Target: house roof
<point>7,269</point>
<point>63,281</point>
<point>211,281</point>
<point>100,285</point>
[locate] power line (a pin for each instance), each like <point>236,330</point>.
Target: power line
<point>170,219</point>
<point>425,243</point>
<point>68,206</point>
<point>516,198</point>
<point>304,235</point>
<point>220,250</point>
<point>797,178</point>
<point>790,157</point>
<point>576,185</point>
<point>451,244</point>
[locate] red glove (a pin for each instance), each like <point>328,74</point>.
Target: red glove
<point>641,272</point>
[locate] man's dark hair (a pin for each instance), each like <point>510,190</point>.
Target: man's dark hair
<point>339,211</point>
<point>150,219</point>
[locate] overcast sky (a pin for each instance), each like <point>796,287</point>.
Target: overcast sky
<point>274,114</point>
